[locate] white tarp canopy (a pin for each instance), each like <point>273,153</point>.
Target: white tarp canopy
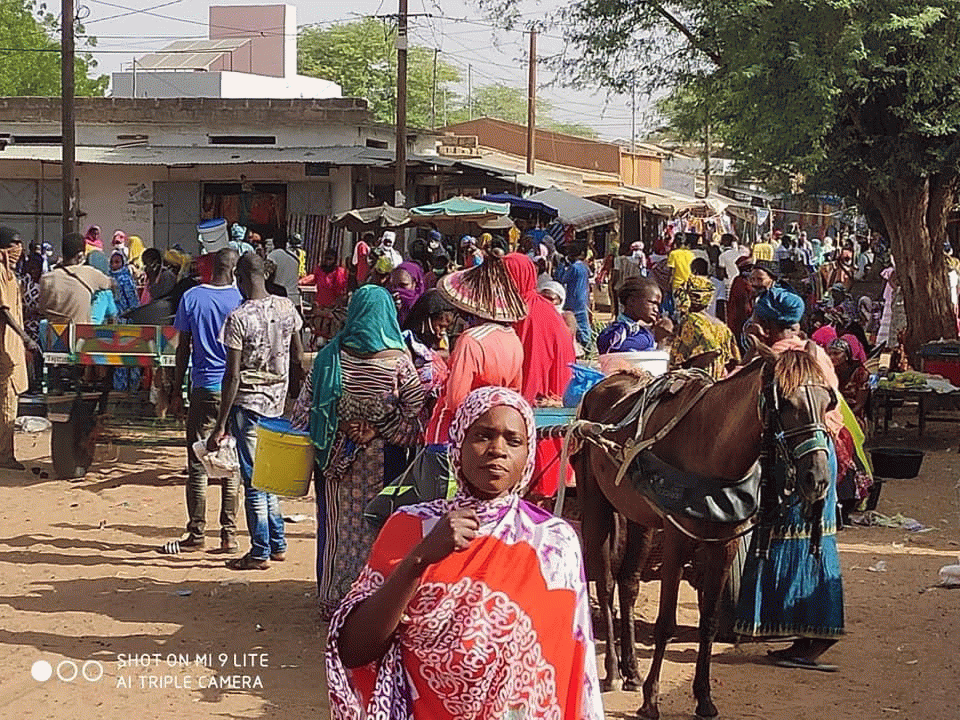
<point>583,214</point>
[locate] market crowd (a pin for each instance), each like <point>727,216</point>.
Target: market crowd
<point>446,583</point>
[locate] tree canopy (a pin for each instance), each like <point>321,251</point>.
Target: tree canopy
<point>858,96</point>
<point>361,56</point>
<point>508,103</point>
<point>31,67</point>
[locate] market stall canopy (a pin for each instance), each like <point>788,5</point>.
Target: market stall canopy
<point>459,214</point>
<point>501,223</point>
<point>522,207</point>
<point>378,217</point>
<point>583,214</point>
<point>670,203</point>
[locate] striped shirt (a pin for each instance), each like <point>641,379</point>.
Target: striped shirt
<point>385,392</point>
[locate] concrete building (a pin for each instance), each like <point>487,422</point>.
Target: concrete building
<point>204,129</point>
<point>251,53</point>
<point>561,157</point>
<point>155,167</point>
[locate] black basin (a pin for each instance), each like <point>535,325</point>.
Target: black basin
<point>896,463</point>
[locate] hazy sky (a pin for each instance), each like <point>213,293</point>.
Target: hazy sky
<point>130,28</point>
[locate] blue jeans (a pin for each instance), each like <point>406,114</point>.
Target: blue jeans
<point>264,519</point>
<point>584,331</point>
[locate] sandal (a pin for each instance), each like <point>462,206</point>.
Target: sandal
<point>246,562</point>
<point>175,546</point>
<point>803,664</point>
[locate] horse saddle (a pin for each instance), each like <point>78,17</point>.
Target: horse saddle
<point>694,496</point>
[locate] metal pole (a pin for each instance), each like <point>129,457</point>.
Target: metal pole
<point>400,179</point>
<point>433,94</point>
<point>68,128</point>
<point>134,77</point>
<point>469,91</point>
<point>532,106</point>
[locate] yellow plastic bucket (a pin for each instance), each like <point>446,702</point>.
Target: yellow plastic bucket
<point>283,463</point>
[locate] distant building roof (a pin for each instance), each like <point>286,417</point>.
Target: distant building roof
<point>191,54</point>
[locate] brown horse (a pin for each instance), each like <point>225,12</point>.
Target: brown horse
<point>720,436</point>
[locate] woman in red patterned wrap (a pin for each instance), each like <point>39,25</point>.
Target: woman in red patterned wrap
<point>473,608</point>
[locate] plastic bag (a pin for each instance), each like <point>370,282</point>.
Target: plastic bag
<point>222,463</point>
<point>950,575</point>
<point>429,477</point>
<point>583,379</point>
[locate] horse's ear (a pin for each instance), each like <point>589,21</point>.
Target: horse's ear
<point>761,349</point>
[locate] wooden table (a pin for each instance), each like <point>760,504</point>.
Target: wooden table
<point>929,407</point>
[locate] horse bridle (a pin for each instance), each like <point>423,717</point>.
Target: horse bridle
<point>776,446</point>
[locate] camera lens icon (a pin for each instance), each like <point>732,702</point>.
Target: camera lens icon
<point>41,671</point>
<point>67,671</point>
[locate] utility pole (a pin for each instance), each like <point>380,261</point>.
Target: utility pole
<point>633,116</point>
<point>68,128</point>
<point>433,94</point>
<point>469,91</point>
<point>532,106</point>
<point>400,178</point>
<point>134,73</point>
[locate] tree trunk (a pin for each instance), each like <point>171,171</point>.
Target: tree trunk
<point>915,213</point>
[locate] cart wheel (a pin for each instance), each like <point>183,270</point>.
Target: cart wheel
<point>727,612</point>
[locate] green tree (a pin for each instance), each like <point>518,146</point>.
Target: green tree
<point>31,67</point>
<point>361,56</point>
<point>859,96</point>
<point>508,103</point>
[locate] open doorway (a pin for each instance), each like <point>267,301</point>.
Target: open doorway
<point>259,207</point>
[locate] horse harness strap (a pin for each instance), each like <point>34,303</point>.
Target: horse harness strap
<point>635,446</point>
<point>643,408</point>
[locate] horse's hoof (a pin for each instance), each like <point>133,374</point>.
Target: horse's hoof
<point>631,684</point>
<point>649,712</point>
<point>610,685</point>
<point>706,711</point>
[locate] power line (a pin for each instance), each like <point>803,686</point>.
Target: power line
<point>132,12</point>
<point>138,11</point>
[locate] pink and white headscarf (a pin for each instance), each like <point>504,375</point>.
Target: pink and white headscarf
<point>476,404</point>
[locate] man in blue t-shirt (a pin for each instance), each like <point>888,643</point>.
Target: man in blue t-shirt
<point>200,317</point>
<point>576,281</point>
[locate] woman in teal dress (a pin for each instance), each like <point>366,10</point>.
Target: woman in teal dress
<point>789,592</point>
<point>363,394</point>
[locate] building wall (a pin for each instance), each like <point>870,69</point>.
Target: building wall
<point>268,26</point>
<point>123,196</point>
<point>242,85</point>
<point>186,122</point>
<point>551,147</point>
<point>155,84</point>
<point>641,170</point>
<point>225,84</point>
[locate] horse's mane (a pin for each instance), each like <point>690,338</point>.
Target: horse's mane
<point>794,368</point>
<point>791,369</point>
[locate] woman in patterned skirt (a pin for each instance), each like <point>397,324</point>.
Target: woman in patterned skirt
<point>474,608</point>
<point>364,392</point>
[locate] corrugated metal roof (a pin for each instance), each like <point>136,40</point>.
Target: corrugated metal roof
<point>189,54</point>
<point>171,156</point>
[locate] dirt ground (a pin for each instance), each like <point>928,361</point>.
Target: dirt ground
<point>128,632</point>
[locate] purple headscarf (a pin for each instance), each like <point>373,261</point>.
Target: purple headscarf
<point>409,296</point>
